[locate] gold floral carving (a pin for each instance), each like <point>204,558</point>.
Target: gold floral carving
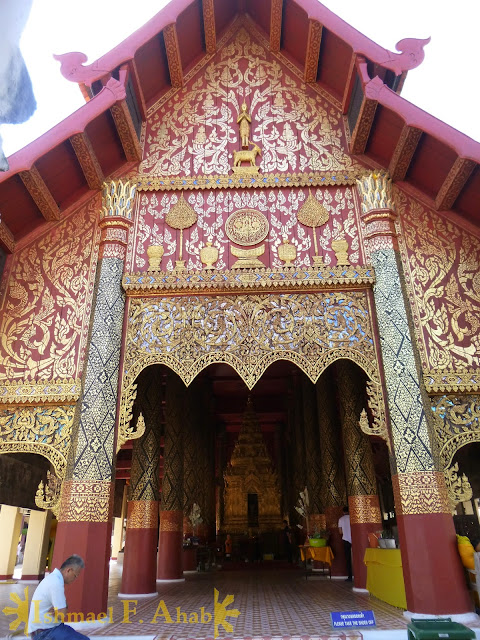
<point>209,26</point>
<point>126,131</point>
<point>86,501</point>
<point>452,382</point>
<point>44,430</point>
<point>315,29</point>
<point>189,183</point>
<point>375,191</point>
<point>88,160</point>
<point>46,312</point>
<point>237,282</point>
<point>142,514</point>
<point>53,391</point>
<point>298,131</point>
<point>6,236</point>
<point>276,12</point>
<point>459,488</point>
<point>442,265</point>
<point>246,227</point>
<point>376,403</point>
<point>127,431</point>
<point>173,55</point>
<point>456,423</point>
<point>117,199</point>
<point>171,521</point>
<point>249,333</point>
<point>422,492</point>
<point>40,193</point>
<point>48,493</point>
<point>364,509</point>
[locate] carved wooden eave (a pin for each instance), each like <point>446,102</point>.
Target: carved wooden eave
<point>6,238</point>
<point>404,152</point>
<point>313,50</point>
<point>276,11</point>
<point>361,133</point>
<point>173,56</point>
<point>209,26</point>
<point>88,160</point>
<point>347,93</point>
<point>126,131</point>
<point>454,182</point>
<point>40,193</point>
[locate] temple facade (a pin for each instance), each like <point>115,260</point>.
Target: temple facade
<point>245,267</point>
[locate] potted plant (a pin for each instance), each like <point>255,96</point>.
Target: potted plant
<point>387,540</point>
<point>319,538</point>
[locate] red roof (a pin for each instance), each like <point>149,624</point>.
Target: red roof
<point>423,155</point>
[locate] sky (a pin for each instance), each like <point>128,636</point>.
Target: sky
<point>444,84</point>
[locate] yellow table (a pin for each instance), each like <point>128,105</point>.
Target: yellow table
<point>385,576</point>
<point>319,554</point>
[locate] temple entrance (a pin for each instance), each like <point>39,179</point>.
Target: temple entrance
<point>240,457</point>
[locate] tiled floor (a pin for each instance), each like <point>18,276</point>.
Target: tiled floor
<point>271,603</point>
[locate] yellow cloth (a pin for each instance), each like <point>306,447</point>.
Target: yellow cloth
<point>385,576</point>
<point>320,554</point>
<point>466,552</point>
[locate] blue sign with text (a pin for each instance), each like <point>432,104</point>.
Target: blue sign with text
<point>343,619</point>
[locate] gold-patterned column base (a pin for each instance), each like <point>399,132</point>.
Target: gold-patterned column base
<point>142,514</point>
<point>364,509</point>
<point>420,492</point>
<point>171,521</point>
<point>86,501</point>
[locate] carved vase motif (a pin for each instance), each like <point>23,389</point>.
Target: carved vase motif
<point>341,251</point>
<point>155,253</point>
<point>209,255</point>
<point>287,252</point>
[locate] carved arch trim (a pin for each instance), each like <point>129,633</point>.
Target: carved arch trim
<point>457,423</point>
<point>43,430</point>
<point>247,332</point>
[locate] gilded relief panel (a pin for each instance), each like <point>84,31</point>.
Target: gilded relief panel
<point>194,130</point>
<point>442,265</point>
<point>279,208</point>
<point>45,315</point>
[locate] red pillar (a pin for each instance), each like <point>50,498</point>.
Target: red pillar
<point>432,570</point>
<point>90,539</point>
<point>140,559</point>
<point>170,546</point>
<point>365,517</point>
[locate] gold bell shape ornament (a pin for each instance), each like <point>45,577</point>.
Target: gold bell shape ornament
<point>340,247</point>
<point>287,252</point>
<point>155,254</point>
<point>208,255</point>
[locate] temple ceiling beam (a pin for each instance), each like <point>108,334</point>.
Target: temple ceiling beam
<point>209,26</point>
<point>88,160</point>
<point>349,83</point>
<point>40,193</point>
<point>173,56</point>
<point>126,131</point>
<point>454,182</point>
<point>404,151</point>
<point>137,85</point>
<point>276,12</point>
<point>363,126</point>
<point>6,238</point>
<point>312,56</point>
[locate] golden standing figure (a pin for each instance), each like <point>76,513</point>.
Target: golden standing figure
<point>244,120</point>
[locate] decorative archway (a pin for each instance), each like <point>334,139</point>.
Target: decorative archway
<point>457,423</point>
<point>248,332</point>
<point>44,430</point>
